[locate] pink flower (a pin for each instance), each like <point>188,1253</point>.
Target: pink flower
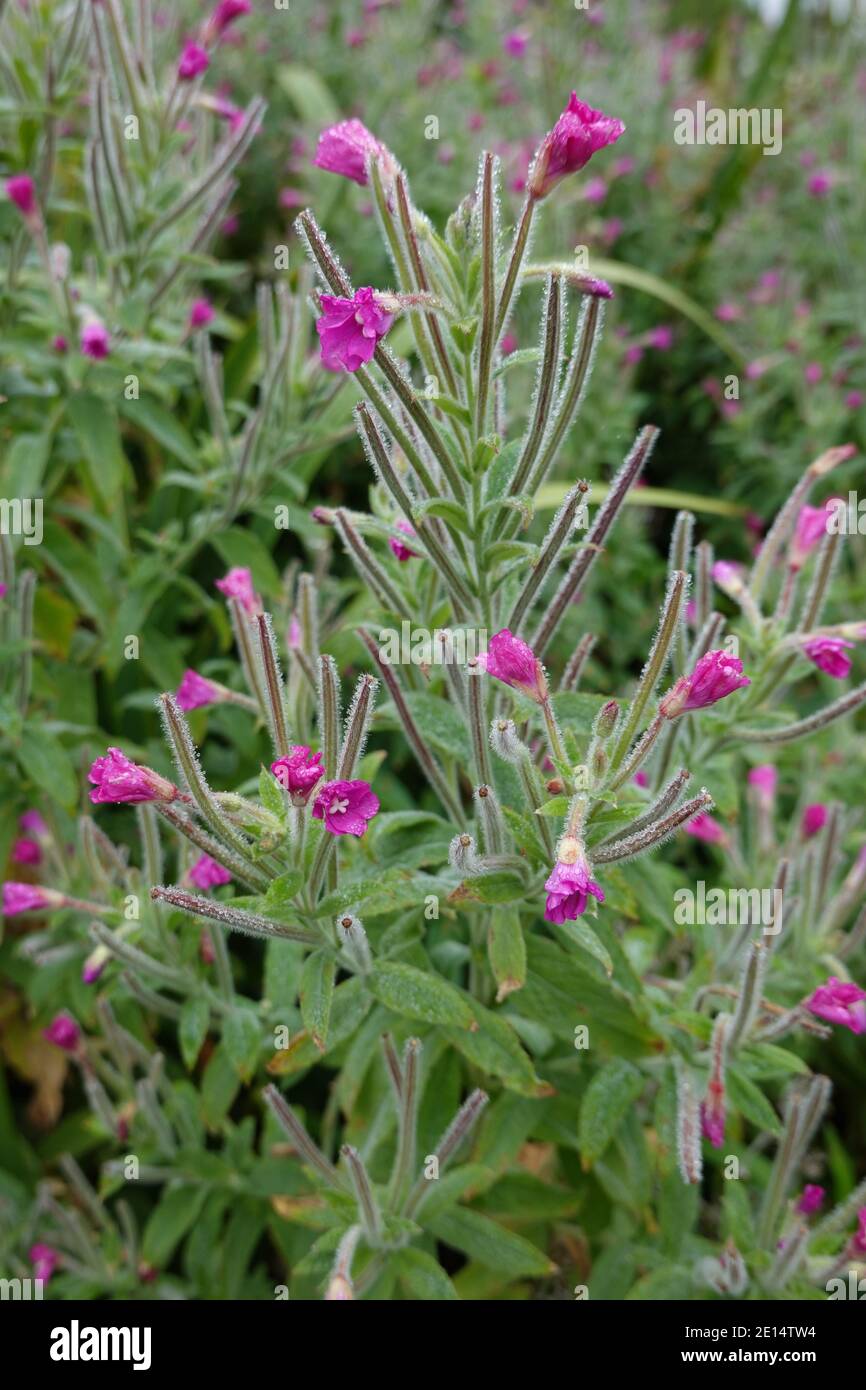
<point>508,344</point>
<point>708,829</point>
<point>95,340</point>
<point>116,779</point>
<point>811,1199</point>
<point>713,1114</point>
<point>207,873</point>
<point>294,636</point>
<point>510,659</point>
<point>21,191</point>
<point>349,329</point>
<point>728,312</point>
<point>811,526</point>
<point>853,400</point>
<point>28,897</point>
<point>238,584</point>
<point>578,134</point>
<point>193,62</point>
<point>595,190</point>
<point>291,198</point>
<point>516,43</point>
<point>345,148</point>
<point>226,12</point>
<point>59,343</point>
<point>200,313</point>
<point>829,655</point>
<point>764,778</point>
<point>640,779</point>
<point>661,338</point>
<point>345,807</point>
<point>812,373</point>
<point>94,965</point>
<point>299,772</point>
<point>26,851</point>
<point>715,676</point>
<point>44,1259</point>
<point>64,1032</point>
<point>195,691</point>
<point>632,354</point>
<point>814,818</point>
<point>31,820</point>
<point>401,550</point>
<point>840,1002</point>
<point>570,883</point>
<point>728,576</point>
<point>820,183</point>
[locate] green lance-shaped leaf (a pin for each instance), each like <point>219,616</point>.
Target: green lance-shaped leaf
<point>606,1102</point>
<point>417,994</point>
<point>506,950</point>
<point>317,995</point>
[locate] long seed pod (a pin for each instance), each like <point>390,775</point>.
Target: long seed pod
<point>605,517</point>
<point>655,833</point>
<point>459,1129</point>
<point>667,631</point>
<point>272,681</point>
<point>689,1157</point>
<point>420,748</point>
<point>329,714</point>
<point>235,918</point>
<point>306,1147</point>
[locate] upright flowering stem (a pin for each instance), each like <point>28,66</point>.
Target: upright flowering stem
<point>658,656</point>
<point>487,336</point>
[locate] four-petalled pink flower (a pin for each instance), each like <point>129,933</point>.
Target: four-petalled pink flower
<point>570,883</point>
<point>346,807</point>
<point>350,329</point>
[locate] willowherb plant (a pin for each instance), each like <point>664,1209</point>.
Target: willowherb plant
<point>512,931</point>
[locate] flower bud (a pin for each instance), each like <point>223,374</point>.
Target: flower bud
<point>505,742</point>
<point>463,855</point>
<point>606,718</point>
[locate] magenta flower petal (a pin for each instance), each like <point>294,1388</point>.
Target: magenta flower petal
<point>63,1032</point>
<point>510,659</point>
<point>207,873</point>
<point>349,329</point>
<point>21,190</point>
<point>346,807</point>
<point>195,691</point>
<point>116,779</point>
<point>44,1259</point>
<point>345,148</point>
<point>299,772</point>
<point>814,818</point>
<point>193,62</point>
<point>29,897</point>
<point>707,828</point>
<point>829,655</point>
<point>840,1002</point>
<point>811,1199</point>
<point>570,884</point>
<point>238,584</point>
<point>95,340</point>
<point>716,675</point>
<point>399,548</point>
<point>578,134</point>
